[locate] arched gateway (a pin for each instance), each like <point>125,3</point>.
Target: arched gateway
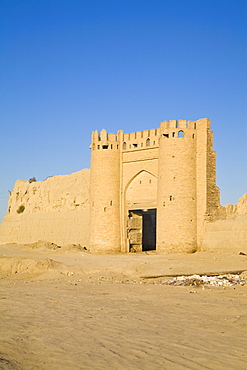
<point>152,189</point>
<point>141,204</point>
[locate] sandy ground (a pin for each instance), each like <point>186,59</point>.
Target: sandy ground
<point>64,308</point>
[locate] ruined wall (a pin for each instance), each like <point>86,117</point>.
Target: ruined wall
<point>239,209</point>
<point>228,234</point>
<point>55,210</point>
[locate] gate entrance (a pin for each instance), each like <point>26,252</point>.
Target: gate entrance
<point>141,230</point>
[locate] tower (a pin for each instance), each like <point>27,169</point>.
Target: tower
<point>105,193</point>
<point>176,198</point>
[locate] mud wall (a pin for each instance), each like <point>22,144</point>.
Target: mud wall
<point>55,210</point>
<point>228,234</point>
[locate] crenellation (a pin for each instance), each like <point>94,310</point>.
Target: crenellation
<point>173,124</point>
<point>192,125</point>
<point>132,136</point>
<point>164,125</point>
<point>112,137</point>
<point>103,135</point>
<point>182,124</point>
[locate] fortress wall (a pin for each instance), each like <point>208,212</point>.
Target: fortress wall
<point>56,210</point>
<point>63,192</point>
<point>141,139</point>
<point>127,170</point>
<point>230,211</point>
<point>65,227</point>
<point>241,207</point>
<point>228,234</point>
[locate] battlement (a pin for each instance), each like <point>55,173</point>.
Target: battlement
<point>148,139</point>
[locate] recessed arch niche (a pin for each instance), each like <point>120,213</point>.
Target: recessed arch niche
<point>141,191</point>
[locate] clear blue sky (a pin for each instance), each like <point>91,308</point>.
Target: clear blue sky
<point>68,67</point>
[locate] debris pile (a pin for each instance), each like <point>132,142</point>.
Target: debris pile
<point>212,280</point>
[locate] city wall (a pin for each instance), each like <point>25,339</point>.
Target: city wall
<point>55,210</point>
<point>151,169</point>
<point>229,232</point>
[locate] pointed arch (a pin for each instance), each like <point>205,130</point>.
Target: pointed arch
<point>180,133</point>
<point>141,191</point>
<point>137,174</point>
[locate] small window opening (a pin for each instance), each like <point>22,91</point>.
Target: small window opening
<point>170,197</point>
<point>195,125</point>
<point>148,142</point>
<point>193,136</point>
<point>130,146</point>
<point>117,146</point>
<point>173,134</point>
<point>180,133</point>
<point>150,181</point>
<point>98,146</point>
<point>141,144</point>
<point>111,146</point>
<point>124,146</point>
<point>154,142</point>
<point>140,182</point>
<point>166,135</point>
<point>164,203</point>
<point>135,145</point>
<point>104,146</point>
<point>111,203</point>
<point>104,209</point>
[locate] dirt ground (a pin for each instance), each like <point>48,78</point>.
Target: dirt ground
<point>64,308</point>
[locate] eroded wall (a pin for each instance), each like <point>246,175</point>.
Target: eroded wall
<point>229,233</point>
<point>55,210</point>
